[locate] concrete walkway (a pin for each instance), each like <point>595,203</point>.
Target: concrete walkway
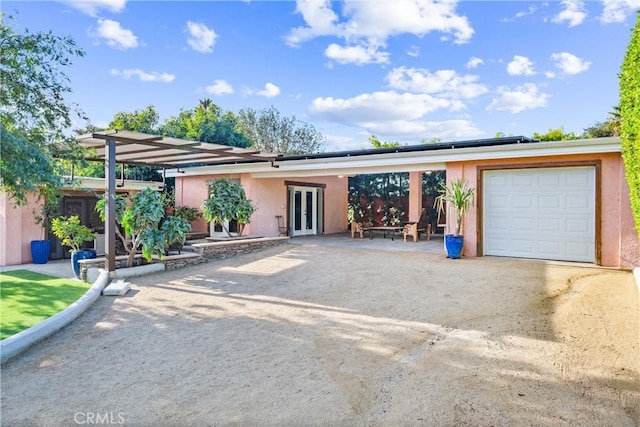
<point>57,268</point>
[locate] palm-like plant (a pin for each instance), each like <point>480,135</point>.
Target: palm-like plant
<point>460,195</point>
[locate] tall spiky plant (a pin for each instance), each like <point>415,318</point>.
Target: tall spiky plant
<point>459,195</point>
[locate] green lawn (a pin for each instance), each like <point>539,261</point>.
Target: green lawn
<point>27,298</point>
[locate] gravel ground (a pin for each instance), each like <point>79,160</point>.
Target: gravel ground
<point>315,335</point>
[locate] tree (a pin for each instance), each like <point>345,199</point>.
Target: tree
<point>614,119</point>
<point>140,221</point>
<point>555,135</point>
<point>269,131</point>
<point>227,202</point>
<point>601,130</point>
<point>376,143</point>
<point>33,111</point>
<point>145,121</point>
<point>207,122</point>
<point>609,127</point>
<point>629,79</point>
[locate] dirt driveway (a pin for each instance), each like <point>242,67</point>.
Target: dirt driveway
<point>312,335</point>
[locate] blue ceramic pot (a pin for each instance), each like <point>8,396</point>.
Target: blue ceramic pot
<point>77,256</point>
<point>40,251</point>
<point>454,245</point>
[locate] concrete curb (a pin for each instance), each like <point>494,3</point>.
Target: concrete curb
<point>123,273</point>
<point>15,344</point>
<point>636,273</point>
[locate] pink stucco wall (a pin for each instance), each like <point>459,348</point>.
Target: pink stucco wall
<point>415,195</point>
<point>192,191</point>
<point>629,242</point>
<point>619,243</point>
<point>270,198</point>
<point>17,230</point>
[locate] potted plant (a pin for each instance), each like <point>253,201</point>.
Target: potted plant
<point>73,234</point>
<point>49,201</point>
<point>459,195</point>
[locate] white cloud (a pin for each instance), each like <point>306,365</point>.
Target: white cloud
<point>520,66</point>
<point>143,76</point>
<point>201,38</point>
<point>447,129</point>
<point>358,55</point>
<point>618,10</point>
<point>524,13</point>
<point>520,14</point>
<point>92,7</point>
<point>219,87</point>
<point>115,35</point>
<point>380,107</point>
<point>444,82</point>
<point>369,23</point>
<point>569,63</point>
<point>573,13</point>
<point>414,51</point>
<point>270,91</point>
<point>525,97</point>
<point>474,62</point>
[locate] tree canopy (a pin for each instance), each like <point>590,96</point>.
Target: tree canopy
<point>269,131</point>
<point>555,135</point>
<point>629,110</point>
<point>33,111</point>
<point>146,121</point>
<point>207,122</point>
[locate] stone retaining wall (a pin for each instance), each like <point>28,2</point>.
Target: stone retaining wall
<point>221,250</point>
<point>204,253</point>
<point>172,262</point>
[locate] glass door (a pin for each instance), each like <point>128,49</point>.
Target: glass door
<point>304,203</point>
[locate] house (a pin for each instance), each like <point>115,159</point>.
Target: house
<point>18,228</point>
<point>563,200</point>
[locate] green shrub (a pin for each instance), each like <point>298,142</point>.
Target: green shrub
<point>629,79</point>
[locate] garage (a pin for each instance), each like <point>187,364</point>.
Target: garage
<point>545,213</point>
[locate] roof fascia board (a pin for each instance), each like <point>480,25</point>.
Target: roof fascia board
<point>276,173</point>
<point>90,183</point>
<point>407,161</point>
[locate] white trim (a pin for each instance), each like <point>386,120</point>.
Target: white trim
<point>89,183</point>
<point>405,161</point>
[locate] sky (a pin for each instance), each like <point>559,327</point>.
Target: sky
<point>403,70</point>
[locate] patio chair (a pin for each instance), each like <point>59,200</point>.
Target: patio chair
<point>359,227</point>
<point>282,228</point>
<point>415,228</point>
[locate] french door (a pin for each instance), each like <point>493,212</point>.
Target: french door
<point>304,210</point>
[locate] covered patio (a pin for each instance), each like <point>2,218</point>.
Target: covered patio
<point>136,148</point>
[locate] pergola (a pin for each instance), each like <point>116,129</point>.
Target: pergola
<point>135,148</point>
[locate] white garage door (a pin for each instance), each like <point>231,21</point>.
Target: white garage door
<point>546,213</point>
